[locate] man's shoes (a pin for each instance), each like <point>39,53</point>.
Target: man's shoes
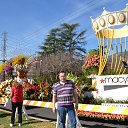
<point>11,125</point>
<point>20,124</point>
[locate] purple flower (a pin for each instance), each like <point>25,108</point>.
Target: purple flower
<point>8,68</point>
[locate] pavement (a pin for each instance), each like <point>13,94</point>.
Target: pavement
<point>47,115</point>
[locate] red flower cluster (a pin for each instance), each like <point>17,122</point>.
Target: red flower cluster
<point>34,91</point>
<point>91,60</point>
<point>99,115</point>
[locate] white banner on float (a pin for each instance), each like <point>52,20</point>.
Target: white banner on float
<point>112,86</point>
<point>112,80</point>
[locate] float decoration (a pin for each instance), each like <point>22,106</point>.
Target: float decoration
<point>111,29</point>
<point>91,60</point>
<point>19,64</point>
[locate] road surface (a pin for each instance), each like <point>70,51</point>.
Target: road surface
<point>47,114</point>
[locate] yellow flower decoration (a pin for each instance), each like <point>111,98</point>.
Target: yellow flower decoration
<point>16,59</point>
<point>2,67</point>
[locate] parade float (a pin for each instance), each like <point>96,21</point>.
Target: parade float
<point>111,29</point>
<point>23,65</point>
<point>111,81</point>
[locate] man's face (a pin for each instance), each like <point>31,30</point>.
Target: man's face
<point>62,77</point>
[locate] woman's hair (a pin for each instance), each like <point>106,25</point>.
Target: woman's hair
<point>22,73</point>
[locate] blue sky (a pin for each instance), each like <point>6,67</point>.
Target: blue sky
<point>27,22</point>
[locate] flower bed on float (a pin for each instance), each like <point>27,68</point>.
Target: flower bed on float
<point>38,92</point>
<point>104,117</point>
<point>31,91</point>
<point>22,65</point>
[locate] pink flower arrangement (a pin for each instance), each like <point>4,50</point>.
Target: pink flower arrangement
<point>91,60</point>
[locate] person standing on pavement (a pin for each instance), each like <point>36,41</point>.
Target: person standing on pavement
<point>64,93</point>
<point>17,102</point>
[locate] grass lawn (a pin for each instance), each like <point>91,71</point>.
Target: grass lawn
<point>31,123</point>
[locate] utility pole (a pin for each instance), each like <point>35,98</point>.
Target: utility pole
<point>4,55</point>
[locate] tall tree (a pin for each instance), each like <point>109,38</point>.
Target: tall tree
<point>64,38</point>
<point>63,49</point>
<point>50,45</point>
<point>73,41</point>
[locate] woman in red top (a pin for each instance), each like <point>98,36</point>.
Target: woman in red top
<point>17,102</point>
